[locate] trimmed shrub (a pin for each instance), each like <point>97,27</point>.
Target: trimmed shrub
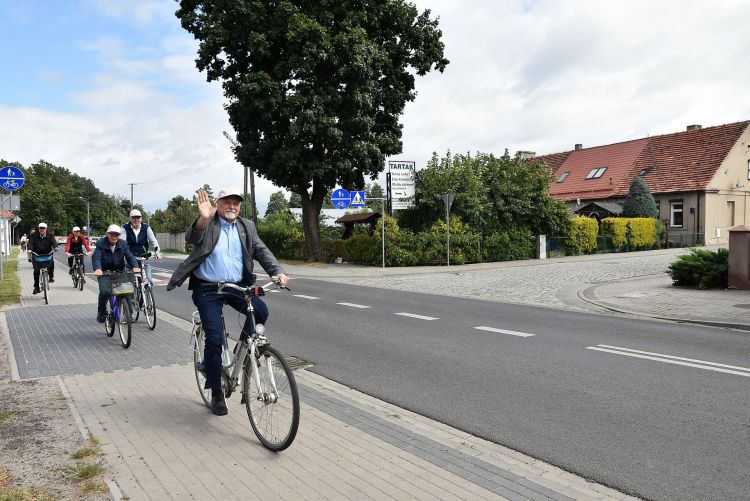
<point>701,268</point>
<point>642,231</point>
<point>508,246</point>
<point>581,236</point>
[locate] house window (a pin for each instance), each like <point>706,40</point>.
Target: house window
<point>658,210</point>
<point>563,176</point>
<point>596,173</point>
<point>675,214</point>
<point>730,206</point>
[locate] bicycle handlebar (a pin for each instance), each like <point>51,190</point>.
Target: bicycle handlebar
<point>252,289</point>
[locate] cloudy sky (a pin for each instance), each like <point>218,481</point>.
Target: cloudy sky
<point>109,89</point>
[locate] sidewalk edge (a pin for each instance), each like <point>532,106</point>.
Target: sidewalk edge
<point>14,374</point>
<point>583,294</point>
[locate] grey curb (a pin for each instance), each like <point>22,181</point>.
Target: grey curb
<point>584,295</point>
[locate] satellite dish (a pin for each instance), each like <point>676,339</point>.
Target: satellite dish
<point>738,185</point>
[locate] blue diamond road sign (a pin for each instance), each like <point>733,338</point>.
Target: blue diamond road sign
<point>11,178</point>
<point>340,199</point>
<point>357,198</point>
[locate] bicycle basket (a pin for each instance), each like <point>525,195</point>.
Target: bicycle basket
<point>43,259</point>
<point>122,284</point>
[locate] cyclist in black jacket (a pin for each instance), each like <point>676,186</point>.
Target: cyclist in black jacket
<point>42,242</point>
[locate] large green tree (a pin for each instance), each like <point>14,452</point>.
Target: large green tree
<point>314,89</point>
<point>640,202</point>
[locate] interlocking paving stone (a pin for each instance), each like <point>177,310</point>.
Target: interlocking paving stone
<point>47,342</point>
<point>468,467</point>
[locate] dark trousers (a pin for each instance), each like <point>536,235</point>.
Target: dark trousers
<point>37,268</point>
<point>70,262</point>
<point>209,305</point>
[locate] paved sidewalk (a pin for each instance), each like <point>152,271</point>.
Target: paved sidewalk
<point>162,442</point>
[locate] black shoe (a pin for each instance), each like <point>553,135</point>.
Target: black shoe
<point>36,290</point>
<point>70,271</point>
<point>51,280</point>
<point>100,318</point>
<point>219,405</point>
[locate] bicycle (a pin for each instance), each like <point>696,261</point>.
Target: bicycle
<point>269,390</point>
<point>118,310</point>
<point>144,295</point>
<point>78,275</point>
<point>43,261</point>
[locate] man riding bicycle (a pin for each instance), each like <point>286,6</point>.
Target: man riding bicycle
<point>42,243</point>
<point>225,246</point>
<point>111,254</point>
<point>139,235</point>
<point>74,245</point>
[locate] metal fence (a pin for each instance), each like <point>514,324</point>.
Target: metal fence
<point>556,245</point>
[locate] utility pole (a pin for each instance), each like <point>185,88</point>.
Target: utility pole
<point>248,174</point>
<point>131,194</point>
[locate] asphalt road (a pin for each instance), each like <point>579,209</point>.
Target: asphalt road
<point>655,409</point>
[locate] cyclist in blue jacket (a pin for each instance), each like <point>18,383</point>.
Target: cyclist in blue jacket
<point>111,254</point>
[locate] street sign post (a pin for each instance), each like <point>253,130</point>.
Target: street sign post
<point>448,200</point>
<point>340,198</point>
<point>11,178</point>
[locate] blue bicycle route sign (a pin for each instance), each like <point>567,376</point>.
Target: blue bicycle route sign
<point>11,178</point>
<point>340,199</point>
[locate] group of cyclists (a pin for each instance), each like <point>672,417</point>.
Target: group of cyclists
<point>116,251</point>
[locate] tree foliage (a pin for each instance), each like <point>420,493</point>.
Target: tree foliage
<point>179,214</point>
<point>277,203</point>
<point>314,89</point>
<point>491,194</point>
<point>58,197</point>
<point>640,202</point>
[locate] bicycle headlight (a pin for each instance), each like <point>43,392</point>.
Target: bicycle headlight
<point>260,328</point>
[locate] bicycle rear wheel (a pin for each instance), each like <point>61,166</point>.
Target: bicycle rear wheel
<point>200,371</point>
<point>109,318</point>
<point>149,307</point>
<point>123,326</point>
<point>45,287</point>
<point>274,415</point>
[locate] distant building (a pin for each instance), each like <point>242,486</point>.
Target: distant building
<point>700,178</point>
<point>328,216</point>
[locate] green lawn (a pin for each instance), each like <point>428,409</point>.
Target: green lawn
<point>10,286</point>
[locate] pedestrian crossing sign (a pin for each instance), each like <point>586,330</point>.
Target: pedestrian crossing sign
<point>358,199</point>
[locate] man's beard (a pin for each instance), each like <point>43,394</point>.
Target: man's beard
<point>230,216</point>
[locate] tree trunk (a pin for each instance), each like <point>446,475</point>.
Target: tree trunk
<point>311,204</point>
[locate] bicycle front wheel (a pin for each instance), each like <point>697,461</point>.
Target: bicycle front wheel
<point>273,411</point>
<point>137,302</point>
<point>75,278</point>
<point>45,287</point>
<point>81,277</point>
<point>123,326</point>
<point>149,307</point>
<point>109,318</point>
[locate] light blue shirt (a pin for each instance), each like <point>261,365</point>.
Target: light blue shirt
<point>225,262</point>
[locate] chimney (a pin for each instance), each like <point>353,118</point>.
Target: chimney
<point>578,146</point>
<point>525,155</point>
<point>693,127</point>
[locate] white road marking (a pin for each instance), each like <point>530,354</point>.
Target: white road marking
<point>353,305</point>
<point>504,331</point>
<point>414,315</point>
<point>161,274</point>
<point>669,359</point>
<point>305,297</point>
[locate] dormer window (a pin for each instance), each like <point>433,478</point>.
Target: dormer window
<point>645,171</point>
<point>596,173</point>
<point>563,176</point>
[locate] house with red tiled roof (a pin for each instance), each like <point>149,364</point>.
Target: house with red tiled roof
<point>700,179</point>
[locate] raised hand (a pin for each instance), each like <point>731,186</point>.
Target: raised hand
<point>205,209</point>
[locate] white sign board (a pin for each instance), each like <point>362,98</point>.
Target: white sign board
<point>402,184</point>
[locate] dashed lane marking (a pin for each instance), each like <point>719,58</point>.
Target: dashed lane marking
<point>670,359</point>
<point>504,331</point>
<point>305,297</point>
<point>354,305</point>
<point>414,315</point>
